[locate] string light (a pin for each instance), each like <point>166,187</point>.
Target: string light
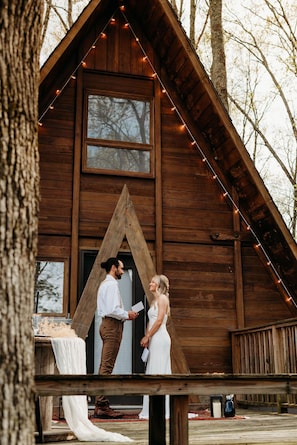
<point>194,142</point>
<point>205,160</point>
<point>82,63</point>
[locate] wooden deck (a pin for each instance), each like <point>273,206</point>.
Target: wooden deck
<point>180,387</point>
<point>253,428</point>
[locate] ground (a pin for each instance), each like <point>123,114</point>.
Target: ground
<point>249,427</point>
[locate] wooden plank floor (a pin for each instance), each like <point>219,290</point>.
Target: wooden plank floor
<point>255,428</point>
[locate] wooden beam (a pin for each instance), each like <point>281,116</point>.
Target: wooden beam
<point>139,249</point>
<point>175,384</point>
<point>238,270</point>
<point>75,196</point>
<point>158,180</point>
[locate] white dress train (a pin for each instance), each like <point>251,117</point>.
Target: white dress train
<point>70,355</point>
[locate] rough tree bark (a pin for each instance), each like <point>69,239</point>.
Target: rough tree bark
<point>20,26</point>
<point>218,68</point>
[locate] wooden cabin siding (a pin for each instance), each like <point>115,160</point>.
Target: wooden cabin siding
<point>56,138</point>
<point>202,290</point>
<point>192,232</point>
<point>201,273</point>
<point>53,246</point>
<point>97,205</point>
<point>119,52</point>
<point>262,300</point>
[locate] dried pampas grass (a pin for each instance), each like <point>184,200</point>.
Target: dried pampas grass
<point>52,329</point>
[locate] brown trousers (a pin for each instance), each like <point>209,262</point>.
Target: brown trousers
<point>111,332</point>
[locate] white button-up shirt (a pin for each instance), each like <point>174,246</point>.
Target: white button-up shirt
<point>109,301</point>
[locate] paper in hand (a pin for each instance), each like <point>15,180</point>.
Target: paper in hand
<point>138,307</point>
<point>144,355</point>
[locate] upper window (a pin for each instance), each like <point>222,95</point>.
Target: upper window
<point>118,135</point>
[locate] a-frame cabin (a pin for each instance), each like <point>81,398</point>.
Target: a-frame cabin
<point>129,117</point>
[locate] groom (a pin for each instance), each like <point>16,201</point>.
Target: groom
<point>110,309</point>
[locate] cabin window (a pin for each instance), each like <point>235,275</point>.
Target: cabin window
<point>50,287</point>
<point>118,135</point>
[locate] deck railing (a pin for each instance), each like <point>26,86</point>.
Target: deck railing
<point>178,386</point>
<point>269,349</point>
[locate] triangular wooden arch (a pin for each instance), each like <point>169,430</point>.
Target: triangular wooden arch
<point>124,222</point>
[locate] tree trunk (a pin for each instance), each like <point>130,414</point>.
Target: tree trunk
<point>193,10</point>
<point>20,25</point>
<point>218,67</point>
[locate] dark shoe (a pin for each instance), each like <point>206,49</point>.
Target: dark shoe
<point>105,412</point>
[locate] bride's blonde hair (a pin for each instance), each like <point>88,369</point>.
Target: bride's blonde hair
<point>163,286</point>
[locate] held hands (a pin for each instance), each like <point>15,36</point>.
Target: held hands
<point>132,315</point>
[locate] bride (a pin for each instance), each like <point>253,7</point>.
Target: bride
<point>157,338</point>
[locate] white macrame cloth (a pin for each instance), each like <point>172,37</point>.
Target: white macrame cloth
<point>70,355</point>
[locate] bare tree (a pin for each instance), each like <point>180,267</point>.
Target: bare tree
<point>20,27</point>
<point>62,13</point>
<point>218,67</point>
<point>271,49</point>
<point>193,11</point>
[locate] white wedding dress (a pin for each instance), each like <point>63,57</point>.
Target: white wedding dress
<point>159,357</point>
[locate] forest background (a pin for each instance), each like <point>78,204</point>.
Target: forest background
<point>249,50</point>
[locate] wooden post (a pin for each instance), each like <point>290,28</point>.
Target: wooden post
<point>45,364</point>
<point>157,423</point>
<point>278,356</point>
<point>238,270</point>
<point>179,427</point>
